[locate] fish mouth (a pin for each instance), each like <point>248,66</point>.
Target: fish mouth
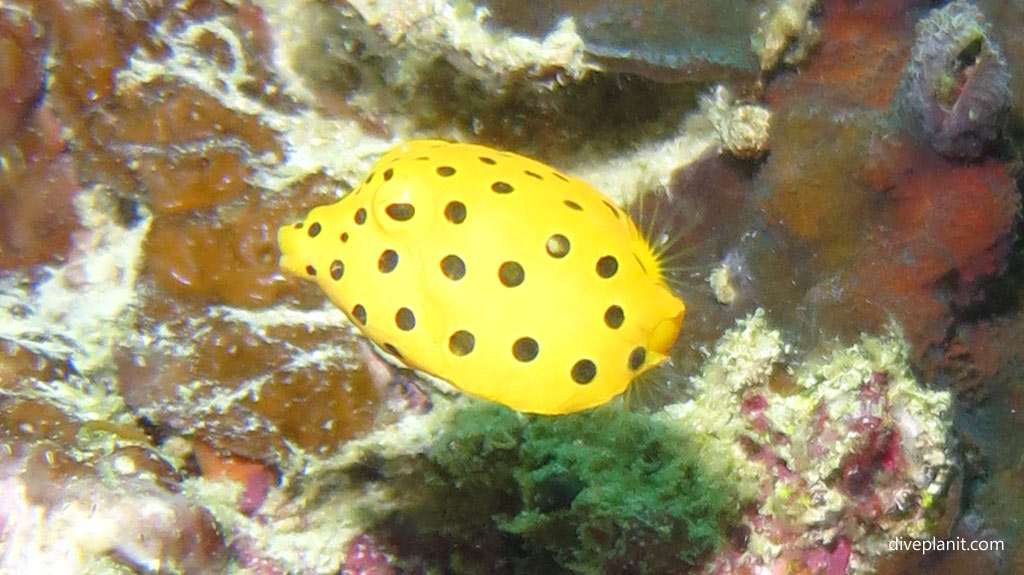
<point>665,333</point>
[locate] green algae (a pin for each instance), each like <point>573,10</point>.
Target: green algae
<point>606,491</point>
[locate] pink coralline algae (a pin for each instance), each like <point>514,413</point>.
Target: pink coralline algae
<point>254,478</point>
<point>841,454</point>
<point>956,86</point>
<point>832,562</point>
<point>364,556</point>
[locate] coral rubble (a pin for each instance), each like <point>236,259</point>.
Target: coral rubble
<point>853,452</point>
<point>82,489</point>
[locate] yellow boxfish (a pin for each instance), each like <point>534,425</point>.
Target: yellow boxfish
<point>495,272</point>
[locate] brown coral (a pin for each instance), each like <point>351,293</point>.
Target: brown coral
<point>247,391</point>
<point>230,259</point>
<point>37,186</point>
<point>22,43</point>
<point>178,152</point>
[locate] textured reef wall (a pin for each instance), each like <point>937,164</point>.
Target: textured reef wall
<point>772,465</point>
<point>834,185</point>
<point>845,452</point>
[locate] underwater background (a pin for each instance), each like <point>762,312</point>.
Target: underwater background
<point>825,193</point>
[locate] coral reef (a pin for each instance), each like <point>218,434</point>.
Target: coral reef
<point>95,526</point>
<point>702,226</point>
<point>534,77</point>
<point>21,83</point>
<point>989,420</point>
<point>258,391</point>
<point>791,466</point>
<point>956,86</point>
<point>742,128</point>
<point>860,57</point>
<point>364,557</point>
<point>81,488</point>
<point>833,457</point>
<point>159,375</point>
<point>850,219</point>
<point>165,110</point>
<point>255,479</point>
<point>849,454</point>
<point>188,171</point>
<point>928,251</point>
<point>787,33</point>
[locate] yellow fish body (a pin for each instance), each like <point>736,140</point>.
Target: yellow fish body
<point>492,271</point>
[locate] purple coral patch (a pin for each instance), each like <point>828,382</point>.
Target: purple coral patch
<point>956,86</point>
<point>365,557</point>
